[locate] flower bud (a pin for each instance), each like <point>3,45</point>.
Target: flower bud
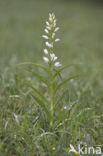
<point>57,40</point>
<point>46,31</point>
<point>45,51</point>
<point>47,23</point>
<point>56,29</point>
<point>57,64</point>
<point>49,45</point>
<point>46,60</point>
<point>46,37</point>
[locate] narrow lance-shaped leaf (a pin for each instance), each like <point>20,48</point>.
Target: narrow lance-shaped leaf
<point>60,98</point>
<point>42,105</point>
<point>64,67</point>
<point>35,64</point>
<point>41,78</point>
<point>40,95</point>
<point>57,73</point>
<point>66,80</point>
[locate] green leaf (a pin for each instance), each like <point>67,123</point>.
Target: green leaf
<point>60,98</point>
<point>40,95</point>
<point>42,105</point>
<point>57,73</point>
<point>35,64</point>
<point>41,78</point>
<point>66,80</point>
<point>64,67</point>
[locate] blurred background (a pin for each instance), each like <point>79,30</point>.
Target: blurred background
<point>22,24</point>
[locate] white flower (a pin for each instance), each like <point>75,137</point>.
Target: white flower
<point>49,45</point>
<point>72,149</point>
<point>51,17</point>
<point>57,40</point>
<point>56,29</point>
<point>55,21</point>
<point>57,64</point>
<point>46,31</point>
<point>47,23</point>
<point>48,27</point>
<point>54,24</point>
<point>46,37</point>
<point>46,60</point>
<point>45,51</point>
<point>50,32</point>
<point>53,35</point>
<point>53,57</point>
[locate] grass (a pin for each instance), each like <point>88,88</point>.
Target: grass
<point>24,128</point>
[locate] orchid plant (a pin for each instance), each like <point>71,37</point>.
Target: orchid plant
<point>50,58</point>
<point>53,68</point>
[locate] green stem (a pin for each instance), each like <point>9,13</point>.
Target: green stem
<point>51,81</point>
<point>51,96</point>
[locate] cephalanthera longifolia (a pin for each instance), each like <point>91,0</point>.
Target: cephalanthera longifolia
<point>53,68</point>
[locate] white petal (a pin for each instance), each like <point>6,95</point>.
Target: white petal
<point>54,24</point>
<point>46,59</point>
<point>56,29</point>
<point>57,40</point>
<point>53,16</point>
<point>53,35</point>
<point>48,27</point>
<point>46,31</point>
<point>50,14</point>
<point>44,36</point>
<point>45,51</point>
<point>49,45</point>
<point>55,21</point>
<point>57,64</point>
<point>53,57</point>
<point>47,23</point>
<point>50,19</point>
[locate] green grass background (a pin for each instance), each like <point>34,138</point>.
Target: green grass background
<point>22,24</point>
